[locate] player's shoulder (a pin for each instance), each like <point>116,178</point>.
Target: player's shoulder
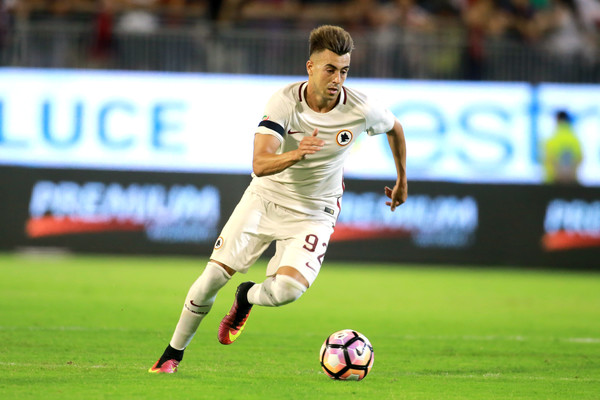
<point>283,101</point>
<point>355,95</point>
<point>356,100</point>
<point>377,116</point>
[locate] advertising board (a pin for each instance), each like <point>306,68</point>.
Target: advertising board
<point>183,213</point>
<point>204,123</point>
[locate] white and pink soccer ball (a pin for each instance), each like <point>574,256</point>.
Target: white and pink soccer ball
<point>346,355</point>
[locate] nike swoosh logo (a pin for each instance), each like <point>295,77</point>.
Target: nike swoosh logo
<point>232,337</point>
<point>292,132</point>
<point>310,267</point>
<point>196,305</point>
<point>360,350</point>
<point>198,311</point>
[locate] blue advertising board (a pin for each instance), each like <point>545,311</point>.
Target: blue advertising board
<point>456,131</point>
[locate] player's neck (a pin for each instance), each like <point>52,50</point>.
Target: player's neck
<point>319,103</point>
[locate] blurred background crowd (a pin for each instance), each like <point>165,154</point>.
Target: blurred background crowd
<point>522,40</point>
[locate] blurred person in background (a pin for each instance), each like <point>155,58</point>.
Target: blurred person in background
<point>405,29</point>
<point>363,18</point>
<point>482,20</point>
<point>5,23</point>
<point>138,16</point>
<point>136,23</point>
<point>567,37</point>
<point>589,12</point>
<point>270,15</point>
<point>565,31</point>
<point>518,42</point>
<point>318,12</point>
<point>58,49</point>
<point>561,153</point>
<point>521,22</point>
<point>102,49</point>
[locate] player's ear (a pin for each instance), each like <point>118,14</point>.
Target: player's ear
<point>309,67</point>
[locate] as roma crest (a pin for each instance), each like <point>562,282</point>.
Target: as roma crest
<point>344,137</point>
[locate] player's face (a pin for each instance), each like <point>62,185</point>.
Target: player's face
<point>327,72</point>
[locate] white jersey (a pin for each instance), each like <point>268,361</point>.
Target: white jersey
<point>315,184</point>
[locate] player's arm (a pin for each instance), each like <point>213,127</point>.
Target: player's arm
<point>266,161</point>
<point>397,144</point>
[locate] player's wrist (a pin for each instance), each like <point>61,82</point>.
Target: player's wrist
<point>298,155</point>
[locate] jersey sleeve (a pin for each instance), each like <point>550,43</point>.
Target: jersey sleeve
<point>275,117</point>
<point>378,119</point>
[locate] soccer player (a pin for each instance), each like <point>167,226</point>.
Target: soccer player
<point>295,194</point>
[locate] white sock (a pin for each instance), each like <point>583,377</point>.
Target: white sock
<point>276,291</point>
<point>198,303</point>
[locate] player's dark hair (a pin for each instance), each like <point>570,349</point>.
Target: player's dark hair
<point>329,37</point>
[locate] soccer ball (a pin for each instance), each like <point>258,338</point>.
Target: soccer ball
<point>346,355</point>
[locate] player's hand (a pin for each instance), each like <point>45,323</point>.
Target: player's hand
<point>310,144</point>
<point>397,195</point>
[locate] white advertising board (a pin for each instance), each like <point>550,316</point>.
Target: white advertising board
<point>455,131</point>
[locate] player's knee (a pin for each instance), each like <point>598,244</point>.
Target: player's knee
<point>285,290</point>
<point>203,292</point>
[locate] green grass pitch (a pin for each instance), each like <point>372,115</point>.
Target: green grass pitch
<point>89,327</point>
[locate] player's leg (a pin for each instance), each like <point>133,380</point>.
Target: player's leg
<point>293,268</point>
<point>285,287</point>
<point>296,263</point>
<point>235,250</point>
<point>198,303</point>
<point>290,273</point>
<point>244,238</point>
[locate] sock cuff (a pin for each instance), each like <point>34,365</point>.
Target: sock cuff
<point>217,269</point>
<point>171,353</point>
<point>288,280</point>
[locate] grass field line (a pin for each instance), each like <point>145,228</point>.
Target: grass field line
<point>466,338</point>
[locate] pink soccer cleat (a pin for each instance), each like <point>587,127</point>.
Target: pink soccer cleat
<point>168,367</point>
<point>233,323</point>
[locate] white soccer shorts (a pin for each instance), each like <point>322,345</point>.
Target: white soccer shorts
<point>301,239</point>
